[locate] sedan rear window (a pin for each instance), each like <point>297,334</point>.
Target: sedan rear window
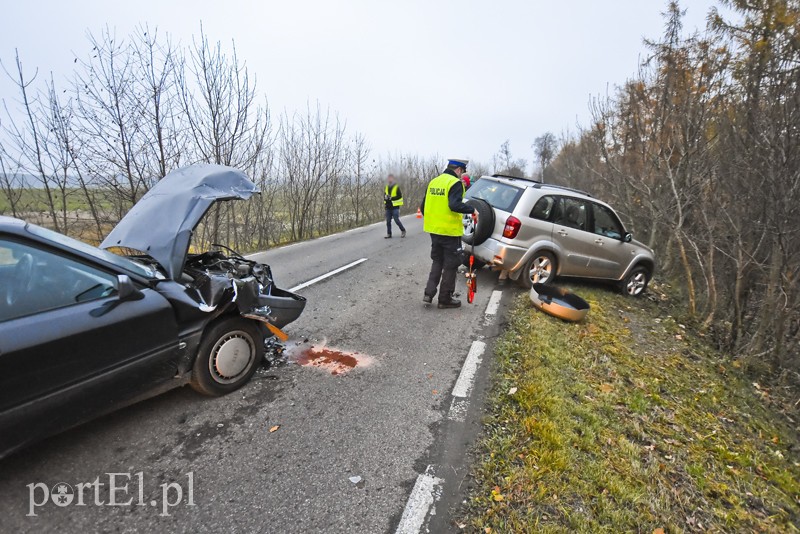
<point>499,195</point>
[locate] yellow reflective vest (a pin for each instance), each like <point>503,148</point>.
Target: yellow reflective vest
<point>439,219</point>
<point>392,192</point>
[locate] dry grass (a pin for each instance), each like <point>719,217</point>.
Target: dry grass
<point>627,423</point>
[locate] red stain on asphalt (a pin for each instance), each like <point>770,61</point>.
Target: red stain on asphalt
<point>335,361</point>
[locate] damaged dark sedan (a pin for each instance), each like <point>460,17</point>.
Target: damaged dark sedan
<point>84,331</point>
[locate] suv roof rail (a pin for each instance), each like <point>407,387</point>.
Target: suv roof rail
<point>540,185</point>
<point>516,178</point>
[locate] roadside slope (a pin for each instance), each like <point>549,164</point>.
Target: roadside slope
<point>627,423</point>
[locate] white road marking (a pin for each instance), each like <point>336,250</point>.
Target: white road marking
<point>466,379</point>
<point>458,409</point>
<point>494,303</point>
<point>327,275</point>
<point>427,490</point>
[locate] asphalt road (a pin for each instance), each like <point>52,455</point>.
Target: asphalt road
<point>385,420</point>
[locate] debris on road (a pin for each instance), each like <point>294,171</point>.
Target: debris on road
<point>355,479</point>
<point>335,361</point>
<point>274,428</point>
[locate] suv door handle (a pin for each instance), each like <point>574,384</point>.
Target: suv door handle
<point>562,233</point>
<point>598,241</point>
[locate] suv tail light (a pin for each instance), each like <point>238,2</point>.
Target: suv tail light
<point>512,227</point>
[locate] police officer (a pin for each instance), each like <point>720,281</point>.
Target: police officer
<point>444,207</point>
<point>393,199</point>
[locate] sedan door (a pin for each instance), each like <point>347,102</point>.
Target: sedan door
<point>72,345</point>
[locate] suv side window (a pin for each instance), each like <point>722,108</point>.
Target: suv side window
<point>37,280</point>
<point>571,213</point>
<point>606,222</point>
<point>543,208</point>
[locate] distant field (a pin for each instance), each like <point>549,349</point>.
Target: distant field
<point>36,200</point>
<point>33,207</point>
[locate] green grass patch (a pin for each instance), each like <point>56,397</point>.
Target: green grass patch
<point>627,423</point>
<point>35,199</point>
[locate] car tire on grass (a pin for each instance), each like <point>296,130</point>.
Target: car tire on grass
<point>541,268</point>
<point>635,284</point>
<point>229,354</point>
<point>483,230</point>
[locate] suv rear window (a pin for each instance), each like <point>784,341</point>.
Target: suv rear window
<point>499,195</point>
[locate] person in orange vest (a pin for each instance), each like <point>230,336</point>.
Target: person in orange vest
<point>393,199</point>
<point>444,208</point>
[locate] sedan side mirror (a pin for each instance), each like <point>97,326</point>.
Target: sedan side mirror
<point>127,290</point>
<point>628,237</point>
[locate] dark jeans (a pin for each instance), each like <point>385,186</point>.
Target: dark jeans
<point>393,213</point>
<point>446,256</point>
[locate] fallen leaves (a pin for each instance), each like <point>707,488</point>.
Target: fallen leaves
<point>606,388</point>
<point>496,495</point>
<point>274,428</point>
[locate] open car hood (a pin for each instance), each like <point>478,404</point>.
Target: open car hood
<point>162,222</point>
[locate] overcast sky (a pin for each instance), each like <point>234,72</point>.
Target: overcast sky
<point>448,77</point>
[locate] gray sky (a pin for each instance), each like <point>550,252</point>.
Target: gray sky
<point>453,77</point>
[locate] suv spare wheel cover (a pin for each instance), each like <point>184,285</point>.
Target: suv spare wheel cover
<point>485,227</point>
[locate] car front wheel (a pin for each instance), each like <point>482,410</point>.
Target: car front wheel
<point>228,356</point>
<point>636,282</point>
<point>540,269</point>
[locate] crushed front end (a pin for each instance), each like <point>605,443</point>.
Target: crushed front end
<point>222,280</point>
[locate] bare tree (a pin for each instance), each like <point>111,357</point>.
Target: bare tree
<point>544,148</point>
<point>504,162</point>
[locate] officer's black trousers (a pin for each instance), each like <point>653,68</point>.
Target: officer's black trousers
<point>446,256</point>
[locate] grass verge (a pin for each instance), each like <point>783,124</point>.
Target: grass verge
<point>627,423</point>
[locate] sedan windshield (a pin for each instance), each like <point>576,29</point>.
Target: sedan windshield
<point>499,195</point>
<point>114,259</point>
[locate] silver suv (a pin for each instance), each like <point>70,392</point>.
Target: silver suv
<point>539,231</point>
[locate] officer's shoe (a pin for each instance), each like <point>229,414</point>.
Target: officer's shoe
<point>449,302</point>
<point>387,236</point>
<point>403,234</point>
<point>427,299</point>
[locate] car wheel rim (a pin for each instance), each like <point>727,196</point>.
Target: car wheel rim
<point>636,284</point>
<point>469,225</point>
<point>231,356</point>
<point>541,270</point>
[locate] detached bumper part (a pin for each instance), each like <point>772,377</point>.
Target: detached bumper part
<point>559,302</point>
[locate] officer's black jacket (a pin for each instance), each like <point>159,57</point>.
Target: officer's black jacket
<point>454,197</point>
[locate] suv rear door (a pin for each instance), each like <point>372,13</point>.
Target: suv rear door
<point>538,224</point>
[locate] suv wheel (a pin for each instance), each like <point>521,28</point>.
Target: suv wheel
<point>636,282</point>
<point>228,356</point>
<point>540,269</point>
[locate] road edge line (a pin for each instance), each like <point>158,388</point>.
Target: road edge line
<point>426,491</point>
<point>494,303</point>
<point>466,378</point>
